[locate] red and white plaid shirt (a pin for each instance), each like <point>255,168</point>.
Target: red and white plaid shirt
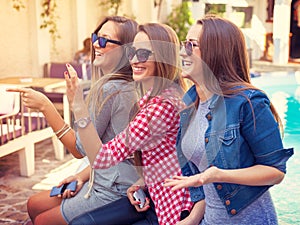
<point>153,131</point>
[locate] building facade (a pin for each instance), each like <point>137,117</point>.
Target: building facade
<point>26,47</point>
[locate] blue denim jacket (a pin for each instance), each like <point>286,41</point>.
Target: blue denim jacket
<point>239,135</point>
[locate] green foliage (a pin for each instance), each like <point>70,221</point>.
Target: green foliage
<point>216,9</point>
<point>50,17</point>
<point>181,19</point>
<point>111,4</point>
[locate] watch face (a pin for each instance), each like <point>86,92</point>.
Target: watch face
<point>83,122</point>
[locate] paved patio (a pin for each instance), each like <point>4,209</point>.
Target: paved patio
<point>15,190</point>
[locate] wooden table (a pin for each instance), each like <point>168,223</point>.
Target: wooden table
<point>34,82</point>
<point>49,85</point>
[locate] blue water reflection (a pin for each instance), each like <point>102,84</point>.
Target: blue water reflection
<point>283,88</point>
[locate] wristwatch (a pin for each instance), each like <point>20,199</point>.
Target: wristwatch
<point>82,122</point>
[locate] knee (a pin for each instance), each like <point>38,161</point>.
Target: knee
<point>32,204</point>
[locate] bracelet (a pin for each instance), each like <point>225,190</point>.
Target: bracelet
<point>60,130</point>
<point>66,131</point>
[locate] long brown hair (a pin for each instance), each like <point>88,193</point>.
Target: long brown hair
<point>225,59</point>
<point>165,45</point>
<point>126,31</point>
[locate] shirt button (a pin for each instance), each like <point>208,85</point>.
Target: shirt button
<point>206,140</point>
<point>227,202</point>
<point>233,212</point>
<point>219,187</point>
<point>209,117</point>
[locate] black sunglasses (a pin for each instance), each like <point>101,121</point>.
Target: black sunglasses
<point>189,46</point>
<point>142,54</point>
<point>102,41</point>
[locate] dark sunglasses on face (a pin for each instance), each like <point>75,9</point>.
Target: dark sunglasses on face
<point>142,54</point>
<point>189,46</point>
<point>102,41</point>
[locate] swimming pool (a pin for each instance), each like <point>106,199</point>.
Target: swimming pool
<point>283,88</point>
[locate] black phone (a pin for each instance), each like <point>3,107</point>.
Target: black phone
<point>59,190</point>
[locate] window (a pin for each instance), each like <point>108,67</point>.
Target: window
<point>243,16</point>
<point>218,9</point>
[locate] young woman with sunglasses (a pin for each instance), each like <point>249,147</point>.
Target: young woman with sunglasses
<point>229,143</point>
<point>151,135</point>
<point>110,102</point>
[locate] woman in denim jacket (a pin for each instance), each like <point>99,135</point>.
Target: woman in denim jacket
<point>229,143</point>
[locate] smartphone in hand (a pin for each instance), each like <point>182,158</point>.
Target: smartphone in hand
<point>60,190</point>
<point>140,196</point>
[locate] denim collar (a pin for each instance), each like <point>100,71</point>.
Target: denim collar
<point>191,96</point>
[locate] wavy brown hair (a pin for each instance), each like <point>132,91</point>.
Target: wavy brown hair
<point>225,58</point>
<point>165,44</point>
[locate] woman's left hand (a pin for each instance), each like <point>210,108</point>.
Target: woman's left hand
<point>68,193</point>
<point>178,182</point>
<point>135,203</point>
<point>74,90</point>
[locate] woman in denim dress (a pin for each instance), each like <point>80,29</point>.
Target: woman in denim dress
<point>111,102</point>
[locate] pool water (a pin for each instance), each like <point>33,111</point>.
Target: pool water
<point>283,88</point>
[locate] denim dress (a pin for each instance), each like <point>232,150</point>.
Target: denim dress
<point>108,184</point>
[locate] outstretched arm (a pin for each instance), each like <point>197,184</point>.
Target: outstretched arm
<point>257,175</point>
<point>88,135</point>
<point>38,101</point>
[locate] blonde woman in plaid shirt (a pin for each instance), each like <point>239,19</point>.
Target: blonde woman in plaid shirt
<point>154,57</point>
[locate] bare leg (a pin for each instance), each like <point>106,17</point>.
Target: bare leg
<point>41,202</point>
<point>50,217</point>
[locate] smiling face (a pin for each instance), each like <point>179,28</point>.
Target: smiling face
<point>108,56</point>
<point>142,70</point>
<point>192,64</point>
